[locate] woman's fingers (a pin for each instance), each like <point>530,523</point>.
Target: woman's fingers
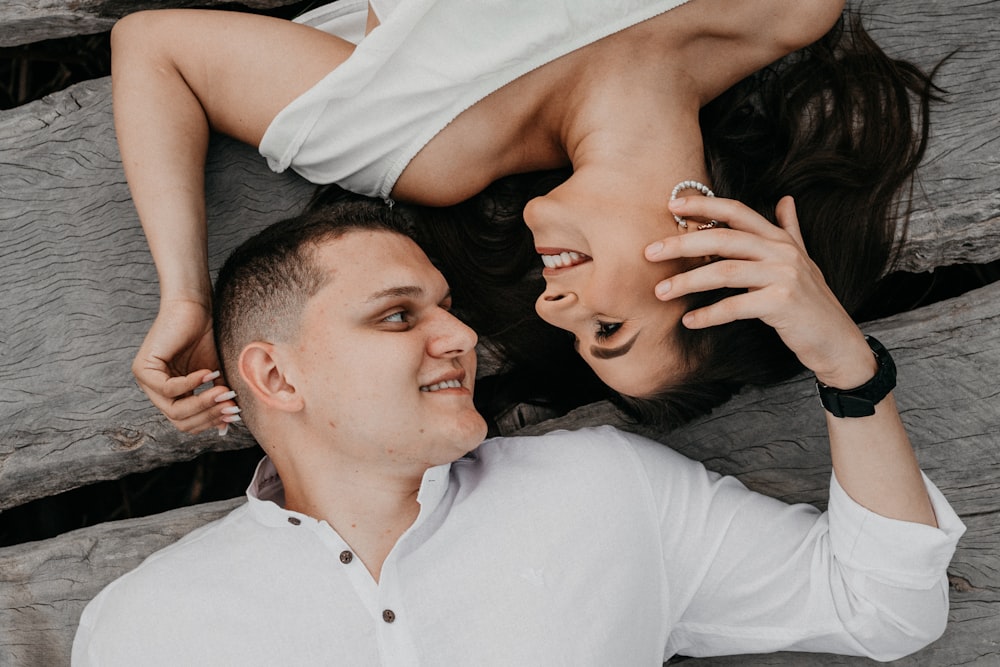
<point>788,219</point>
<point>734,274</point>
<point>743,306</point>
<point>730,212</point>
<point>176,387</point>
<point>188,411</point>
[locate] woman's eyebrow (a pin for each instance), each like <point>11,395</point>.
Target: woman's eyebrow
<point>613,352</point>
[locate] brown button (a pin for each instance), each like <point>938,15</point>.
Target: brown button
<point>346,557</point>
<point>294,520</point>
<point>388,616</point>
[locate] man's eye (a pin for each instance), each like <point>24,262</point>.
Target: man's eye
<point>396,318</point>
<point>606,330</point>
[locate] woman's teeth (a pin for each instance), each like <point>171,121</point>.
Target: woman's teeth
<point>562,260</point>
<point>447,384</point>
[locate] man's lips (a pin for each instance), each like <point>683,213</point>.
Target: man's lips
<point>451,380</point>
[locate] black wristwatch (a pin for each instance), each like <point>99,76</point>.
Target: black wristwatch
<point>861,401</point>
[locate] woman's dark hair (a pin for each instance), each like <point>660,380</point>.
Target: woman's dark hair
<point>839,125</point>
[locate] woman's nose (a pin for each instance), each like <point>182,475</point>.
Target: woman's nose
<point>555,305</point>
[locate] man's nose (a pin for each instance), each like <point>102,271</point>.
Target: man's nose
<point>451,336</point>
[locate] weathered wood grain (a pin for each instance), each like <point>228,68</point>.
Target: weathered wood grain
<point>27,21</point>
<point>772,439</point>
<point>960,176</point>
<point>79,292</point>
<point>45,585</point>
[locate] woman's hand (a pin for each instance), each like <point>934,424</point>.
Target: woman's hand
<point>872,457</point>
<point>177,356</point>
<point>785,289</point>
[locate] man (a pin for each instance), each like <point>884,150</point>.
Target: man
<point>379,530</point>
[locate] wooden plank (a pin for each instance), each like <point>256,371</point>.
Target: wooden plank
<point>27,21</point>
<point>773,439</point>
<point>45,585</point>
<point>80,290</point>
<point>960,176</point>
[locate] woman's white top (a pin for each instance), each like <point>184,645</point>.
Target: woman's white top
<point>426,63</point>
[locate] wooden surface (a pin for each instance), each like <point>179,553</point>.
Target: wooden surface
<point>957,218</point>
<point>80,292</point>
<point>45,585</point>
<point>27,21</point>
<point>774,440</point>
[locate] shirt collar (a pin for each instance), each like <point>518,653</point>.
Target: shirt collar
<point>266,492</point>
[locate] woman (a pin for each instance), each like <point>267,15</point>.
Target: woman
<point>438,100</point>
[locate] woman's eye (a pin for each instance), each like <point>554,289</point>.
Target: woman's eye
<point>606,330</point>
<point>396,318</point>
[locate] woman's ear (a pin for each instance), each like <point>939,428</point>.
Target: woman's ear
<point>262,370</point>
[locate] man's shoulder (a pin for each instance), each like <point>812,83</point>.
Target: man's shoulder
<point>202,553</point>
<point>600,438</point>
<point>605,449</point>
<point>594,445</point>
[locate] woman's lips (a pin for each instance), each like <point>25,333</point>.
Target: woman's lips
<point>554,258</point>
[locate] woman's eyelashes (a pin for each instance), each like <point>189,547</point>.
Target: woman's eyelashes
<point>606,330</point>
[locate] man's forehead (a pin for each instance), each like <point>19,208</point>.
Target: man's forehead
<point>382,259</point>
<point>338,251</point>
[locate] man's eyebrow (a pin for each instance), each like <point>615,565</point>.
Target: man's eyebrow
<point>402,291</point>
<point>408,291</point>
<point>613,352</point>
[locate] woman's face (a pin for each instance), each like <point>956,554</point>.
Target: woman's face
<point>599,286</point>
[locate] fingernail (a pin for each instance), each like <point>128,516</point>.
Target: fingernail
<point>228,396</point>
<point>654,248</point>
<point>231,410</point>
<point>663,288</point>
<point>223,430</point>
<point>231,419</point>
<point>680,201</point>
<point>211,376</point>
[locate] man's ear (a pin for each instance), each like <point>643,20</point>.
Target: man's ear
<point>261,369</point>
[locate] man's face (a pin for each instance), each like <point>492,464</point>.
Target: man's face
<point>387,373</point>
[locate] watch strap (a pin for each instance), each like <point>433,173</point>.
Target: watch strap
<point>861,401</point>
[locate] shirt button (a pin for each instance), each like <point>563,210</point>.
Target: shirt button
<point>294,520</point>
<point>346,557</point>
<point>388,616</point>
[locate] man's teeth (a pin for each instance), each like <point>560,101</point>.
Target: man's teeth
<point>561,260</point>
<point>447,384</point>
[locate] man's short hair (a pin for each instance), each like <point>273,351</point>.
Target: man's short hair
<point>264,285</point>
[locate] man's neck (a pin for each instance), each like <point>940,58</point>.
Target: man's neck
<point>369,511</point>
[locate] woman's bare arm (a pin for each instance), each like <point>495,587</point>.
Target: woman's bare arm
<point>872,456</point>
<point>721,42</point>
<point>176,74</point>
